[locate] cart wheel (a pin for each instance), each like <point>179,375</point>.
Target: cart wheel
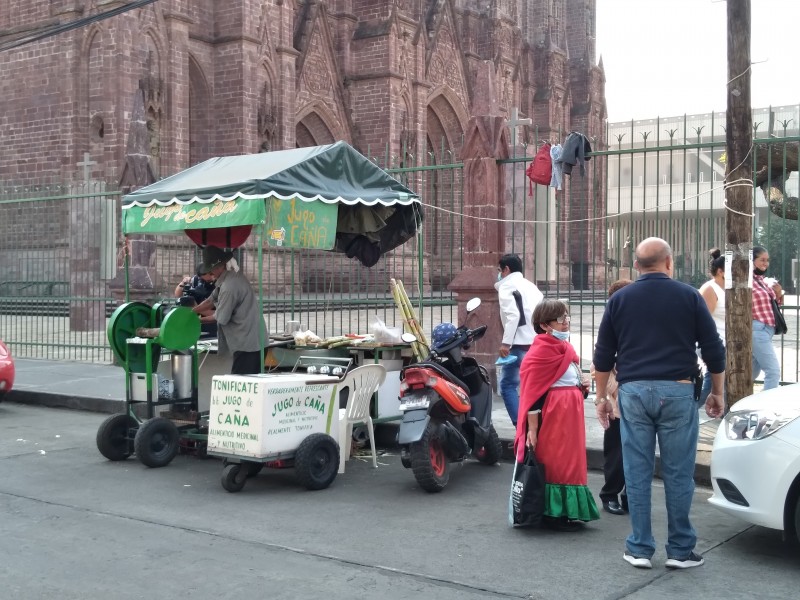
<point>234,477</point>
<point>251,468</point>
<point>156,442</point>
<point>115,436</point>
<point>317,461</point>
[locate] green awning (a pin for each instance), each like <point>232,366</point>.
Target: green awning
<point>373,210</point>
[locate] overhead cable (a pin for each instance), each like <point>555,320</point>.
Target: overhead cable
<point>50,31</point>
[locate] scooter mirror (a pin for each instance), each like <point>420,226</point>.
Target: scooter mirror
<point>408,338</point>
<point>472,304</point>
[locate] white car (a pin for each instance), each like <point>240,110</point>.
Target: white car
<point>755,463</point>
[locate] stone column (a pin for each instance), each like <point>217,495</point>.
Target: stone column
<point>141,249</point>
<point>485,142</point>
<point>85,216</point>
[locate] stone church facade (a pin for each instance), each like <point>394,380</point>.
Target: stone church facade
<point>224,77</point>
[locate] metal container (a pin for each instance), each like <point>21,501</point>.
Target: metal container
<point>182,375</point>
<point>139,387</point>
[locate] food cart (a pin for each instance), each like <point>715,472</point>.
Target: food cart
<point>276,419</point>
<point>324,197</point>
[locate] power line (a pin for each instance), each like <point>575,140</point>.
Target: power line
<point>50,31</point>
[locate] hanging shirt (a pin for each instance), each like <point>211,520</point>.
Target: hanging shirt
<point>555,156</point>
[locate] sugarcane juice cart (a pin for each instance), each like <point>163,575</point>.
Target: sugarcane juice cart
<point>323,197</point>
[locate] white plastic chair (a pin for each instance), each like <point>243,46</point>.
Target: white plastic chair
<point>362,383</point>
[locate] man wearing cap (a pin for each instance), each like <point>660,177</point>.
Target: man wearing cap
<point>242,331</point>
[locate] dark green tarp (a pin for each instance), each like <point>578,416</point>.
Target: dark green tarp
<point>228,191</point>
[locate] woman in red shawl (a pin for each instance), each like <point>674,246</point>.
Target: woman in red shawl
<point>550,418</point>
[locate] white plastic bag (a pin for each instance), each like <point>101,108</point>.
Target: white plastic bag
<point>384,334</point>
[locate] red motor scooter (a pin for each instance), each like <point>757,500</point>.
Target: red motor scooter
<point>446,401</point>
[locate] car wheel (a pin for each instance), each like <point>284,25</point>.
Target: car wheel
<point>796,539</point>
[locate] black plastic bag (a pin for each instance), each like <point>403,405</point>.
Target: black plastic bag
<point>526,503</point>
<point>780,322</point>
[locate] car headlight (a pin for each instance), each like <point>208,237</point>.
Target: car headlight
<point>757,424</point>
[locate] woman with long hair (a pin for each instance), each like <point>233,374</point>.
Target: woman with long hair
<point>764,291</point>
<point>713,292</point>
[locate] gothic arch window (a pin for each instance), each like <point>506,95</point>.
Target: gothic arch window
<point>200,131</point>
<point>267,115</point>
<point>154,139</point>
<point>443,144</point>
<point>97,63</point>
<point>97,128</point>
<point>314,128</point>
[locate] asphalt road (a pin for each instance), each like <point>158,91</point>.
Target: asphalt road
<point>75,526</point>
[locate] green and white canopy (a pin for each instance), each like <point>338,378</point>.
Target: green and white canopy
<point>287,190</point>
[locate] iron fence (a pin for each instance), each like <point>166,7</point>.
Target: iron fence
<point>60,277</point>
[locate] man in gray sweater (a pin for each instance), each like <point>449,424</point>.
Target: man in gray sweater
<point>242,330</point>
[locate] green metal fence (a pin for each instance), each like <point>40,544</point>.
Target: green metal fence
<point>61,273</point>
<point>59,246</point>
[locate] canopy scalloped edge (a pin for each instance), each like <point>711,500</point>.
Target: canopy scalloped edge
<point>197,200</point>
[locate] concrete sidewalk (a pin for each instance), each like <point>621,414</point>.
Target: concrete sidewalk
<point>101,388</point>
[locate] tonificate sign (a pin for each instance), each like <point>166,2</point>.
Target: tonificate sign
<point>266,416</point>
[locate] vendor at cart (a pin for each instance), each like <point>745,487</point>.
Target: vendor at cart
<point>241,328</point>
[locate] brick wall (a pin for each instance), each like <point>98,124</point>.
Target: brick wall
<point>60,94</point>
<point>211,67</point>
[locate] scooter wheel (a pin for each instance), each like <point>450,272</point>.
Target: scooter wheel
<point>429,461</point>
<point>492,451</point>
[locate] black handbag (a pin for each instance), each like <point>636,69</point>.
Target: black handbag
<point>526,503</point>
<point>780,322</point>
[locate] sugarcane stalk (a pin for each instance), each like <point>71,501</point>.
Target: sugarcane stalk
<point>416,347</point>
<point>412,315</point>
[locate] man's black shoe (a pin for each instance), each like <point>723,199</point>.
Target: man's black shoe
<point>613,507</point>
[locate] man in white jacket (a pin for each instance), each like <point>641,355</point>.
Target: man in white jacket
<point>518,297</point>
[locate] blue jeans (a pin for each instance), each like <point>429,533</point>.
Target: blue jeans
<point>764,357</point>
<point>665,410</point>
<point>509,383</point>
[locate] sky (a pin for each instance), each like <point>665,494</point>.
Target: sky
<point>666,58</point>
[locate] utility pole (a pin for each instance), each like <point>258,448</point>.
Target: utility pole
<point>740,206</point>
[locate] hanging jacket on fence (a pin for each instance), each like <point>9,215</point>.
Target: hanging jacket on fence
<point>576,147</point>
<point>555,155</point>
<point>541,168</point>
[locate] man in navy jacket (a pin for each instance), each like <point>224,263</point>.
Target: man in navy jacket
<point>650,330</point>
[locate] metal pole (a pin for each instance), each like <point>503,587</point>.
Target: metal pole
<point>261,293</point>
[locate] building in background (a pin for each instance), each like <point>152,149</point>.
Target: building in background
<point>667,180</point>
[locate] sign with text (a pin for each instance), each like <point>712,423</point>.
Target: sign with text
<point>295,223</point>
<point>193,215</point>
<point>264,416</point>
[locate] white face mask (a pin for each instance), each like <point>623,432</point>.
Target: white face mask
<point>499,277</point>
<point>560,335</point>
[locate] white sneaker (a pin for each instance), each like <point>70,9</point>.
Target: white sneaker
<point>637,561</point>
<point>693,560</point>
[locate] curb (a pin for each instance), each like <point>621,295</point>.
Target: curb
<point>594,462</point>
<point>99,405</point>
